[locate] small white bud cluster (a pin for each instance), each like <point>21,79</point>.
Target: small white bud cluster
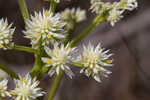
<point>72,16</point>
<point>6,34</point>
<point>115,10</point>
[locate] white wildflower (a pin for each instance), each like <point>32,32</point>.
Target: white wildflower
<point>128,4</point>
<point>44,28</point>
<point>115,10</point>
<point>27,89</point>
<point>72,16</point>
<point>114,16</point>
<point>94,60</point>
<point>3,89</point>
<point>60,57</point>
<point>99,7</point>
<point>6,34</point>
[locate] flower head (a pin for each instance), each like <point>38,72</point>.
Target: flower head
<point>114,16</point>
<point>128,4</point>
<point>72,16</point>
<point>3,88</point>
<point>99,7</point>
<point>27,89</point>
<point>44,28</point>
<point>6,34</point>
<point>59,58</point>
<point>94,60</point>
<point>115,10</point>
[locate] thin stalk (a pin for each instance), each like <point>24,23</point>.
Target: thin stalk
<point>26,49</point>
<point>52,5</point>
<point>66,38</point>
<point>37,66</point>
<point>99,19</point>
<point>55,86</point>
<point>9,71</point>
<point>23,8</point>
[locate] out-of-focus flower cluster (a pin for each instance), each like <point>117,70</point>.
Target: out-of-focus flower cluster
<point>115,10</point>
<point>72,16</point>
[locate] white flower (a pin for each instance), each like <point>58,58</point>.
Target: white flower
<point>60,57</point>
<point>3,88</point>
<point>27,89</point>
<point>128,4</point>
<point>44,27</point>
<point>115,10</point>
<point>114,16</point>
<point>94,60</point>
<point>99,7</point>
<point>6,34</point>
<point>72,16</point>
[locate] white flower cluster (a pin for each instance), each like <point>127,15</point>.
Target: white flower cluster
<point>115,10</point>
<point>3,89</point>
<point>72,16</point>
<point>92,60</point>
<point>27,89</point>
<point>6,34</point>
<point>46,27</point>
<point>59,59</point>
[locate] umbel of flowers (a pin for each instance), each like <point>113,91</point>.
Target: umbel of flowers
<point>54,54</point>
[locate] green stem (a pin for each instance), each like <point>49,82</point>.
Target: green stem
<point>66,38</point>
<point>77,64</point>
<point>55,86</point>
<point>37,66</point>
<point>99,19</point>
<point>23,8</point>
<point>52,5</point>
<point>9,71</point>
<point>26,49</point>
